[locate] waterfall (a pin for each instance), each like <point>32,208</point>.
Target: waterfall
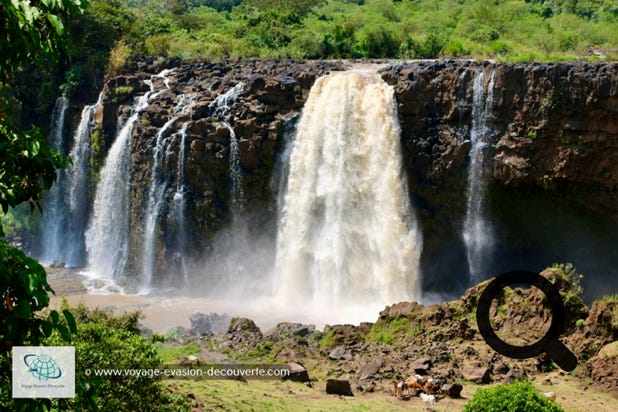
<point>157,189</point>
<point>107,237</point>
<point>222,107</point>
<point>477,231</point>
<point>67,204</point>
<point>347,231</point>
<point>79,181</point>
<point>55,214</point>
<point>179,206</point>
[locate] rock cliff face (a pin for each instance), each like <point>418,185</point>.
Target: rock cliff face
<point>554,131</point>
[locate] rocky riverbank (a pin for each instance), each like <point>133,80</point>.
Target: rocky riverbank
<point>441,341</point>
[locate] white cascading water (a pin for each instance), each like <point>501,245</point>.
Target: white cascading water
<point>79,181</point>
<point>477,231</point>
<point>179,207</point>
<point>107,237</point>
<point>222,107</point>
<point>55,214</point>
<point>156,191</point>
<point>347,230</point>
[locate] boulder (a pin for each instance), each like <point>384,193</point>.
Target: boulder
<point>340,353</point>
<point>371,368</point>
<point>421,366</point>
<point>208,323</point>
<point>243,325</point>
<point>298,373</point>
<point>339,387</point>
<point>475,374</point>
<point>452,390</point>
<point>286,330</point>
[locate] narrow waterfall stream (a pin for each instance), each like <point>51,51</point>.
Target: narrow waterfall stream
<point>477,231</point>
<point>55,216</point>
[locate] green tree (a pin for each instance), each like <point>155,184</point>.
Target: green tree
<point>31,31</point>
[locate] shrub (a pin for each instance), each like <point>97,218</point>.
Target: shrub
<point>456,48</point>
<point>108,341</point>
<point>516,397</point>
<point>118,57</point>
<point>380,42</point>
<point>159,44</point>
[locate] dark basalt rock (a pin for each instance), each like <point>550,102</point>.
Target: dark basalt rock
<point>554,131</point>
<point>339,387</point>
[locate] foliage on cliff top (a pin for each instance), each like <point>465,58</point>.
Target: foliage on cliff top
<point>505,30</point>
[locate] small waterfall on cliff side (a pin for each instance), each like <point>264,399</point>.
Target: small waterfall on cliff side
<point>69,217</point>
<point>79,181</point>
<point>107,237</point>
<point>347,230</point>
<point>158,186</point>
<point>179,208</point>
<point>222,107</point>
<point>477,232</point>
<point>55,215</point>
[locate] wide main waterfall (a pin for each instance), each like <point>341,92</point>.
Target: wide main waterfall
<point>347,231</point>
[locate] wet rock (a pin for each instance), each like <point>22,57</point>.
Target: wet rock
<point>208,323</point>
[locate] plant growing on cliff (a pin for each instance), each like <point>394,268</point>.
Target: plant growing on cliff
<point>389,332</point>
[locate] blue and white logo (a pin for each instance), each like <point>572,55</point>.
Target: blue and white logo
<point>43,367</point>
<point>43,372</point>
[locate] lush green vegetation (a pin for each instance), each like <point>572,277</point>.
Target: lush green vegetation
<point>108,341</point>
<point>32,33</point>
<point>395,330</point>
<point>505,30</point>
<point>516,397</point>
